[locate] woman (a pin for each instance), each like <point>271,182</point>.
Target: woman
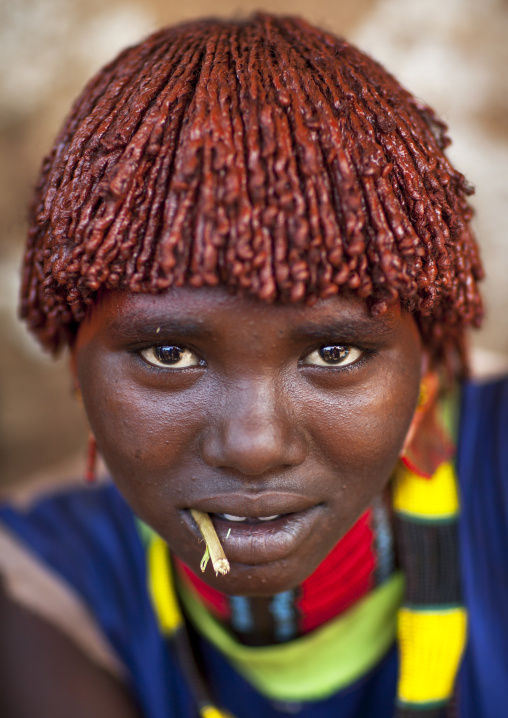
<point>252,241</point>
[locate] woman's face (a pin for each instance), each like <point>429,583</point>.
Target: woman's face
<point>246,410</point>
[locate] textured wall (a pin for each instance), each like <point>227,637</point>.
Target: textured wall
<point>452,53</point>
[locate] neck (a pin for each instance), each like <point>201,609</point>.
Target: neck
<point>361,560</point>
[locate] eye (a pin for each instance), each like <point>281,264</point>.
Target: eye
<point>334,355</point>
<point>170,356</point>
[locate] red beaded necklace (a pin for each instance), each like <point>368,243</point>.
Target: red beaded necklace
<point>362,559</point>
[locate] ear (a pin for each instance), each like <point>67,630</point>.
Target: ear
<point>426,445</point>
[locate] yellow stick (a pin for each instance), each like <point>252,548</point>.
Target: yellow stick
<point>213,545</point>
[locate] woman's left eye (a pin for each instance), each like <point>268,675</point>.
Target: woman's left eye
<point>333,355</point>
<point>170,356</point>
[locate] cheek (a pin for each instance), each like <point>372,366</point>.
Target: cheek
<point>143,435</point>
<point>362,432</point>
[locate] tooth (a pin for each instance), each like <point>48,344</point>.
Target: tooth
<point>269,518</point>
<point>230,517</point>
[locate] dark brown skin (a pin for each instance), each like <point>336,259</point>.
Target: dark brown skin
<point>252,427</point>
<point>257,424</point>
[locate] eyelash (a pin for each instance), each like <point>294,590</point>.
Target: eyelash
<point>164,367</point>
<point>365,355</point>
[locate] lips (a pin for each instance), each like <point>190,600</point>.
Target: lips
<point>257,529</point>
<point>261,504</point>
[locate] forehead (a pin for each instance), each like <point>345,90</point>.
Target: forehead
<point>211,312</point>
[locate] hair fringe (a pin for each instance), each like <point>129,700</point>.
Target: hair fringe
<point>267,156</point>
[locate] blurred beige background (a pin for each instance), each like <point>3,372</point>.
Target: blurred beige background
<point>452,53</point>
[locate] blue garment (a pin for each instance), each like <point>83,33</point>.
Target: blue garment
<point>88,536</point>
<point>482,466</point>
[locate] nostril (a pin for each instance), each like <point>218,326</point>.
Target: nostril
<point>249,452</point>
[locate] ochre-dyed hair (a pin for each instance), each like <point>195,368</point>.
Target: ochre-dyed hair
<point>265,155</point>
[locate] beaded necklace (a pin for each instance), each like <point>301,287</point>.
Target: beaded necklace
<point>362,560</point>
<point>431,620</point>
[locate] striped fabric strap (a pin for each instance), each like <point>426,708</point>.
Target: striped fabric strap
<point>212,712</point>
<point>432,620</point>
<point>170,619</point>
<point>161,586</point>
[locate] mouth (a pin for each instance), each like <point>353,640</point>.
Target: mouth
<point>247,519</point>
<point>251,535</point>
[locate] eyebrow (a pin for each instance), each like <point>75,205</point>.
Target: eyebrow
<point>138,327</point>
<point>346,329</point>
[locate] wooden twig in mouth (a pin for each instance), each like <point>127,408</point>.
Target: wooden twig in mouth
<point>214,550</point>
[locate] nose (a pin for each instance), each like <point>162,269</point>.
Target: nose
<point>254,430</point>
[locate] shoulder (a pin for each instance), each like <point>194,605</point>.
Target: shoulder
<point>482,467</point>
<point>55,606</point>
<point>482,439</point>
<point>67,555</point>
<point>74,558</point>
<point>70,528</point>
<point>482,457</point>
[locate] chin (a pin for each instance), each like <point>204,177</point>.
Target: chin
<point>261,580</point>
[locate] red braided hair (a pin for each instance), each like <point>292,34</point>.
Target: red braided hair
<point>264,155</point>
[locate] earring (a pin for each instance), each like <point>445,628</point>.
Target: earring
<point>91,456</point>
<point>90,473</point>
<point>427,444</point>
<point>423,396</point>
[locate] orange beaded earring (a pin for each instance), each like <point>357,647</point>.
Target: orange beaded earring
<point>91,457</point>
<point>426,445</point>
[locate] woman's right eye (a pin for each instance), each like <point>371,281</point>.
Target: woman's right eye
<point>171,356</point>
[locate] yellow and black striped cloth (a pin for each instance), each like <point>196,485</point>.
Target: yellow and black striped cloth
<point>172,623</point>
<point>432,621</point>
